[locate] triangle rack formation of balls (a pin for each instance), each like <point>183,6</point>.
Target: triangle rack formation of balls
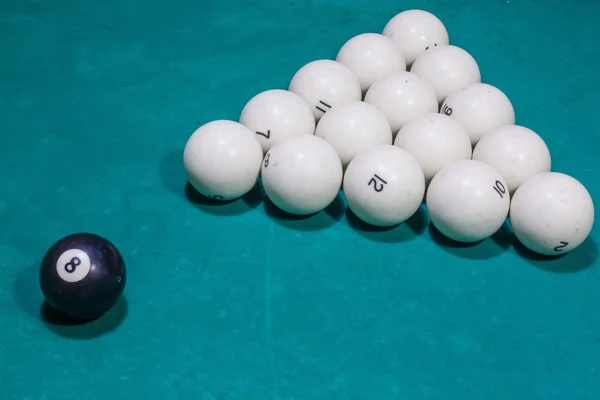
<point>398,118</point>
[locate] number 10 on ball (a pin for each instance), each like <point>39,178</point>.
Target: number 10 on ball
<point>467,201</point>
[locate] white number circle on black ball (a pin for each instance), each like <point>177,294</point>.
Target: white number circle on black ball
<point>73,265</point>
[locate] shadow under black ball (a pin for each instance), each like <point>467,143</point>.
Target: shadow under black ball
<point>82,275</point>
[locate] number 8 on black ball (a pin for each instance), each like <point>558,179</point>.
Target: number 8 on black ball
<point>82,275</point>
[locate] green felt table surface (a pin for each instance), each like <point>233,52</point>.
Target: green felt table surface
<point>238,301</point>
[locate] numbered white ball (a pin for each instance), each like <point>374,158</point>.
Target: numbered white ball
<point>480,108</point>
<point>325,83</point>
<point>435,140</point>
<point>302,175</point>
<point>384,186</point>
<point>415,31</point>
<point>222,160</point>
<point>371,56</point>
<point>352,127</point>
<point>552,213</point>
<point>448,69</point>
<point>467,201</point>
<point>277,115</point>
<point>401,97</point>
<point>518,153</point>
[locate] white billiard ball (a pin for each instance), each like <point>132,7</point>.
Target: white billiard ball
<point>352,127</point>
<point>277,115</point>
<point>222,160</point>
<point>467,201</point>
<point>448,69</point>
<point>302,175</point>
<point>416,31</point>
<point>325,83</point>
<point>552,213</point>
<point>518,153</point>
<point>480,108</point>
<point>401,97</point>
<point>384,185</point>
<point>371,56</point>
<point>435,140</point>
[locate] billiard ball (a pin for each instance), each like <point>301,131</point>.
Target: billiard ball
<point>352,127</point>
<point>277,115</point>
<point>517,152</point>
<point>303,175</point>
<point>401,97</point>
<point>384,185</point>
<point>325,83</point>
<point>435,140</point>
<point>371,56</point>
<point>416,31</point>
<point>480,108</point>
<point>552,213</point>
<point>467,201</point>
<point>82,275</point>
<point>222,160</point>
<point>448,69</point>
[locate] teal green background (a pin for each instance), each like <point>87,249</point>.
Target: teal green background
<point>238,301</point>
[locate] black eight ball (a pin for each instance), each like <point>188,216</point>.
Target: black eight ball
<point>83,275</point>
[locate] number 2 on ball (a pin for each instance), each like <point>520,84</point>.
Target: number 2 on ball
<point>561,246</point>
<point>376,179</point>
